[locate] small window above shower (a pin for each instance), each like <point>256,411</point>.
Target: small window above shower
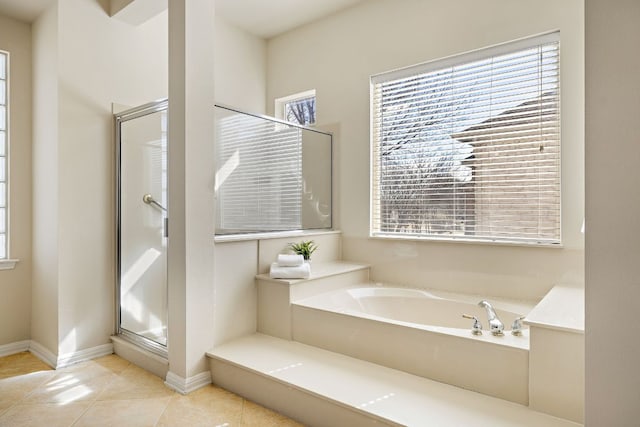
<point>299,108</point>
<point>271,176</point>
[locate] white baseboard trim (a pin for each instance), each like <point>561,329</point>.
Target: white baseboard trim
<point>14,347</point>
<point>43,353</point>
<point>57,362</point>
<point>82,355</point>
<point>187,385</point>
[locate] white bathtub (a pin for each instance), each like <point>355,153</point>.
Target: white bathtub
<point>422,333</point>
<point>433,310</point>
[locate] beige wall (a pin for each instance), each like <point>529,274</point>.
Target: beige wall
<point>240,68</point>
<point>44,319</point>
<point>77,79</point>
<point>15,285</point>
<point>337,55</point>
<point>240,81</point>
<point>111,62</point>
<point>191,193</point>
<point>612,208</point>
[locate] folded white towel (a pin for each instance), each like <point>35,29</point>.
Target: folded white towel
<point>298,272</point>
<point>290,260</point>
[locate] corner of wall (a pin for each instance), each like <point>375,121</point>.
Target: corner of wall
<point>44,299</point>
<point>187,385</point>
<point>15,283</point>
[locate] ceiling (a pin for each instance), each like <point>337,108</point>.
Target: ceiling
<point>23,10</point>
<point>268,18</point>
<point>263,18</point>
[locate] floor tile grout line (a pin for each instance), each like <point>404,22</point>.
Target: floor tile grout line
<point>22,399</point>
<point>164,410</point>
<point>113,379</point>
<point>6,411</point>
<point>95,402</point>
<point>60,372</point>
<point>28,395</point>
<point>82,414</point>
<point>242,411</point>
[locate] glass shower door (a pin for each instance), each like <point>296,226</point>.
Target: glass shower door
<point>142,232</point>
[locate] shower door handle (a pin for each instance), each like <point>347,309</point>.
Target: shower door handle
<point>149,200</point>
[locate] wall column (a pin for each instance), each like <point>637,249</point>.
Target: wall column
<point>612,146</point>
<point>190,192</point>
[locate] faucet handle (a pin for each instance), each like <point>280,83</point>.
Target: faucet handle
<point>516,326</point>
<point>476,329</point>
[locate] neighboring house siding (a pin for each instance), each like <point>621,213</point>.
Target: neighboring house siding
<point>516,135</point>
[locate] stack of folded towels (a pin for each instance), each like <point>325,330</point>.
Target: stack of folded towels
<point>290,267</point>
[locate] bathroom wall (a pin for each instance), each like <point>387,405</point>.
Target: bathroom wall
<point>240,81</point>
<point>76,79</point>
<point>337,55</point>
<point>99,61</point>
<point>15,285</point>
<point>44,302</point>
<point>190,190</point>
<point>240,68</point>
<point>107,64</point>
<point>612,289</point>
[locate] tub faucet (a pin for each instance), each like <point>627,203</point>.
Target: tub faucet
<point>495,325</point>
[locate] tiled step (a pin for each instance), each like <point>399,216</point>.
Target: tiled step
<point>276,295</point>
<point>321,388</point>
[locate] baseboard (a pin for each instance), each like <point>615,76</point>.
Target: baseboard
<point>82,355</point>
<point>57,362</point>
<point>14,347</point>
<point>141,357</point>
<point>187,385</point>
<point>43,353</point>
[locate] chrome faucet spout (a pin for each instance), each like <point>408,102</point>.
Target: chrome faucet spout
<point>495,325</point>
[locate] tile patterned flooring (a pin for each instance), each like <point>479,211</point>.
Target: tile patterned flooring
<point>109,391</point>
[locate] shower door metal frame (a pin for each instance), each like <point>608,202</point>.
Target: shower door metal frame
<point>119,118</point>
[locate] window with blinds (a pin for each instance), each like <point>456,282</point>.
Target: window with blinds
<point>468,147</point>
<point>3,153</point>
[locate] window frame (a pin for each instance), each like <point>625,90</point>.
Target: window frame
<point>441,64</point>
<point>6,263</point>
<point>4,156</point>
<point>280,105</point>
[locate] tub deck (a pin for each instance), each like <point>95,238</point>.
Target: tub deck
<point>496,366</point>
<point>322,388</point>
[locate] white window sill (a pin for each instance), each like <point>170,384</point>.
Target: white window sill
<point>450,239</point>
<point>8,264</point>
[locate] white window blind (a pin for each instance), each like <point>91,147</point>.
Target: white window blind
<point>259,174</point>
<point>3,152</point>
<point>468,148</point>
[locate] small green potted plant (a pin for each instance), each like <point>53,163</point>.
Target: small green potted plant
<point>304,248</point>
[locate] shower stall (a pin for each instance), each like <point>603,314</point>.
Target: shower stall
<point>271,176</point>
<point>141,226</point>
